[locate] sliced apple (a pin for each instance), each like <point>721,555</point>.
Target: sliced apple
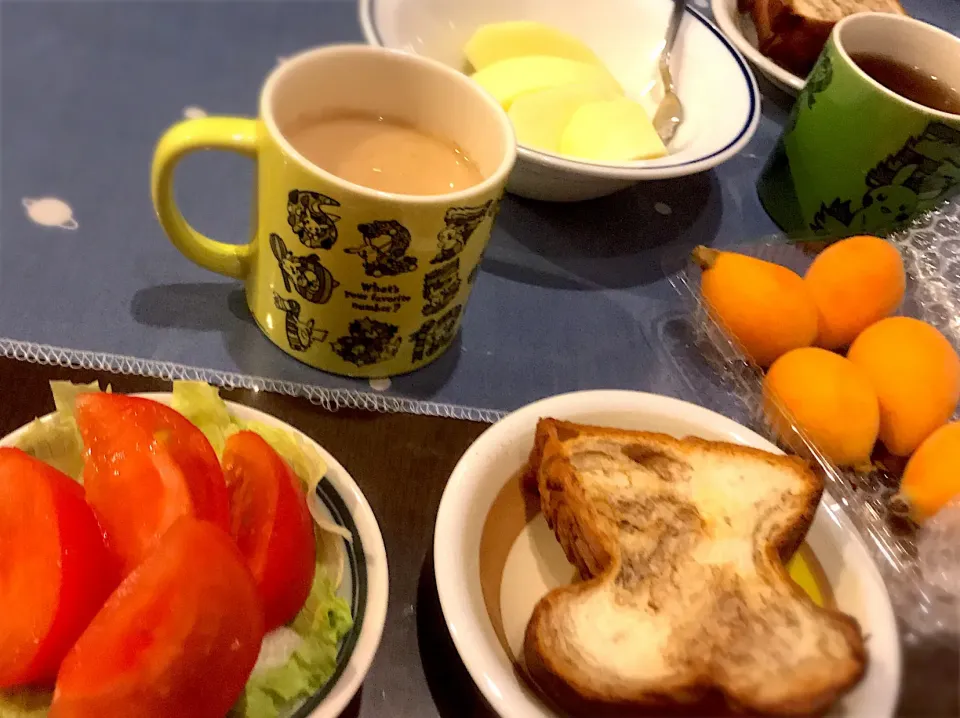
<point>617,130</point>
<point>520,38</point>
<point>539,118</point>
<point>509,79</point>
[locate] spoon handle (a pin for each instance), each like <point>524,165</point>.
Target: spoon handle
<point>673,26</point>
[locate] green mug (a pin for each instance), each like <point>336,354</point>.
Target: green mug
<point>855,157</point>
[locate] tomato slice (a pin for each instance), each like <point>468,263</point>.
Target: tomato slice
<point>55,571</point>
<point>179,637</point>
<point>271,524</point>
<point>147,465</point>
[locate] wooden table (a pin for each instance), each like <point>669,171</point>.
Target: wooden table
<point>401,463</point>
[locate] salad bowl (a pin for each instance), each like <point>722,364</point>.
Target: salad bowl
<point>350,549</point>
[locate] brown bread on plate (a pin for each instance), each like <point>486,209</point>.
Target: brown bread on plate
<point>685,601</point>
<point>793,32</point>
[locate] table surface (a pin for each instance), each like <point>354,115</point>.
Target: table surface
<point>417,671</point>
<point>569,296</point>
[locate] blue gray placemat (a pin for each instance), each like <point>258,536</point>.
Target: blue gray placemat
<point>569,296</point>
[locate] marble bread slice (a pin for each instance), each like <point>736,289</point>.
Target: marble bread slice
<point>685,602</point>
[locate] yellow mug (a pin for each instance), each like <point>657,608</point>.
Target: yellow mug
<point>345,278</point>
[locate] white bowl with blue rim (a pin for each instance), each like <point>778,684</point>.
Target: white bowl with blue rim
<point>718,90</point>
<point>363,585</point>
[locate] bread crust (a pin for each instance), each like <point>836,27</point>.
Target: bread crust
<point>787,36</point>
<point>589,538</point>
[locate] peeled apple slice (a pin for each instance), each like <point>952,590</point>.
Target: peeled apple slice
<point>615,130</point>
<point>539,118</point>
<point>509,79</point>
<point>504,40</point>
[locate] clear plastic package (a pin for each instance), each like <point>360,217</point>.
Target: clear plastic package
<point>920,564</point>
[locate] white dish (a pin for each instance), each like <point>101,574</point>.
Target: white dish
<point>740,29</point>
<point>717,88</point>
<point>521,553</point>
<point>365,581</point>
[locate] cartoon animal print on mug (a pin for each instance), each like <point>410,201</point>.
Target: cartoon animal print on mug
<point>300,335</point>
<point>384,248</point>
<point>459,224</point>
<point>434,334</point>
<point>306,216</point>
<point>369,342</point>
<point>913,180</point>
<point>440,287</point>
<point>305,275</point>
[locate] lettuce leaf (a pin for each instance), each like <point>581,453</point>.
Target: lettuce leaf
<point>65,395</point>
<point>280,689</point>
<point>202,405</point>
<point>55,440</point>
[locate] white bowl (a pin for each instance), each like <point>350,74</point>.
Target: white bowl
<point>718,91</point>
<point>494,557</point>
<point>740,29</point>
<point>365,582</point>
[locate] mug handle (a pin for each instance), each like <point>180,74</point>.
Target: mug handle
<point>238,134</point>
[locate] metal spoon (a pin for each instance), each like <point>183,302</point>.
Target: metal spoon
<point>670,113</point>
